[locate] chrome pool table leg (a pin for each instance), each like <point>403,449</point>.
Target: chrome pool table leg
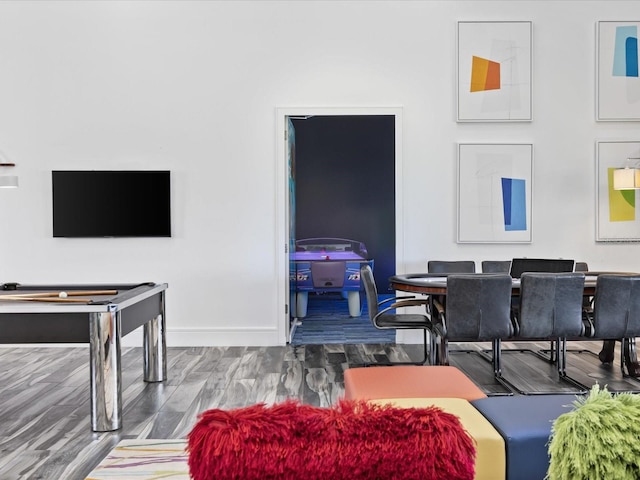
<point>154,347</point>
<point>106,381</point>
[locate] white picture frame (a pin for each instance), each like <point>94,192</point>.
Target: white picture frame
<point>617,76</point>
<point>494,71</point>
<point>617,211</point>
<point>495,185</point>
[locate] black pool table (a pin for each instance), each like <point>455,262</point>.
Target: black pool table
<point>99,315</point>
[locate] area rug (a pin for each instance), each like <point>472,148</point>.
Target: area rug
<point>144,460</point>
<point>328,322</point>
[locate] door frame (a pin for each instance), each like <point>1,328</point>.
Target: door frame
<point>282,194</point>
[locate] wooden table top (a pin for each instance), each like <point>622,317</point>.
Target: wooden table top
<point>436,283</point>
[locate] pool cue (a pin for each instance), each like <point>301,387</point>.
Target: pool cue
<point>73,293</point>
<point>43,299</point>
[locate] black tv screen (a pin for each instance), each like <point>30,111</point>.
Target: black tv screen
<point>123,203</point>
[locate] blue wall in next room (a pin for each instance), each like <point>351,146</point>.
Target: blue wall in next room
<point>345,169</point>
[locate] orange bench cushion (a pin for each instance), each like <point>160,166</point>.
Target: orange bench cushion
<point>411,381</point>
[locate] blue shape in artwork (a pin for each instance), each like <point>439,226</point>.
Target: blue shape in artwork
<point>506,200</point>
<point>632,56</point>
<point>625,54</point>
<point>514,204</point>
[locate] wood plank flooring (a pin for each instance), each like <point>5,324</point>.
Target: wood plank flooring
<point>44,393</point>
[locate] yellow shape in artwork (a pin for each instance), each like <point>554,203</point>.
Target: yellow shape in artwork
<point>485,74</point>
<point>622,203</point>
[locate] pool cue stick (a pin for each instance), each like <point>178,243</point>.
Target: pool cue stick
<point>43,299</point>
<point>73,293</point>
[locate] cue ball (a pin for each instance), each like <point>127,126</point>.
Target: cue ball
<point>62,294</point>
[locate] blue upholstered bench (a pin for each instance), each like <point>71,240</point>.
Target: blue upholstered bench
<point>525,424</point>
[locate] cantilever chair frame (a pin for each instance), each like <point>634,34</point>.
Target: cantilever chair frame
<point>568,310</point>
<point>487,319</point>
<point>607,306</point>
<point>383,319</point>
<point>550,353</point>
<point>445,267</point>
<point>628,353</point>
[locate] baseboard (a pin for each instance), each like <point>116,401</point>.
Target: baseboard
<point>219,337</point>
<point>409,336</point>
<point>212,337</point>
<point>227,337</point>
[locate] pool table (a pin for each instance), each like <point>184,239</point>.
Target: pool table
<point>328,265</point>
<point>99,315</point>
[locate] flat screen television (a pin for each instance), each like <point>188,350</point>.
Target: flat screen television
<point>122,203</point>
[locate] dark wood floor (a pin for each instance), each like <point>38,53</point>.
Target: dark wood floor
<point>44,393</point>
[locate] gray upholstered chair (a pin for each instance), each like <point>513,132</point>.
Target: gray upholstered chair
<point>478,310</point>
<point>383,315</point>
<point>496,266</point>
<point>607,353</point>
<point>551,309</point>
<point>451,266</point>
<point>616,315</point>
<point>581,267</point>
<point>587,301</point>
<point>551,265</point>
<point>447,267</point>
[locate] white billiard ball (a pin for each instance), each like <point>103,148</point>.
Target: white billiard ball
<point>62,294</point>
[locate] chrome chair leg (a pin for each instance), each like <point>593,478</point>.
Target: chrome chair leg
<point>443,352</point>
<point>561,361</point>
<point>629,358</point>
<point>496,347</point>
<point>433,349</point>
<point>561,356</point>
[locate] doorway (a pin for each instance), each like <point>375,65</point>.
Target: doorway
<point>348,171</point>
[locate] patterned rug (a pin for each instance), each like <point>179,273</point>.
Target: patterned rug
<point>328,322</point>
<point>144,460</point>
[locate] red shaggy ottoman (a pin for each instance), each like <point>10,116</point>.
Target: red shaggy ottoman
<point>351,440</point>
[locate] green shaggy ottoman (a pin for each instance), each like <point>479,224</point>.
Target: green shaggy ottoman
<point>599,439</point>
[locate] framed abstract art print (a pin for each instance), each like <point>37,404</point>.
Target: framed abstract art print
<point>617,79</point>
<point>617,211</point>
<point>494,193</point>
<point>494,72</point>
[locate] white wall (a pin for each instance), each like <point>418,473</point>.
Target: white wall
<point>193,87</point>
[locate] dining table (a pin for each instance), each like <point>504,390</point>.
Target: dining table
<point>436,283</point>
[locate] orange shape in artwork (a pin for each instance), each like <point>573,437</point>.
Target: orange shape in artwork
<point>479,67</point>
<point>493,76</point>
<point>485,74</point>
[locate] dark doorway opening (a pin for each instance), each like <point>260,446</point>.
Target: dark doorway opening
<point>345,185</point>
